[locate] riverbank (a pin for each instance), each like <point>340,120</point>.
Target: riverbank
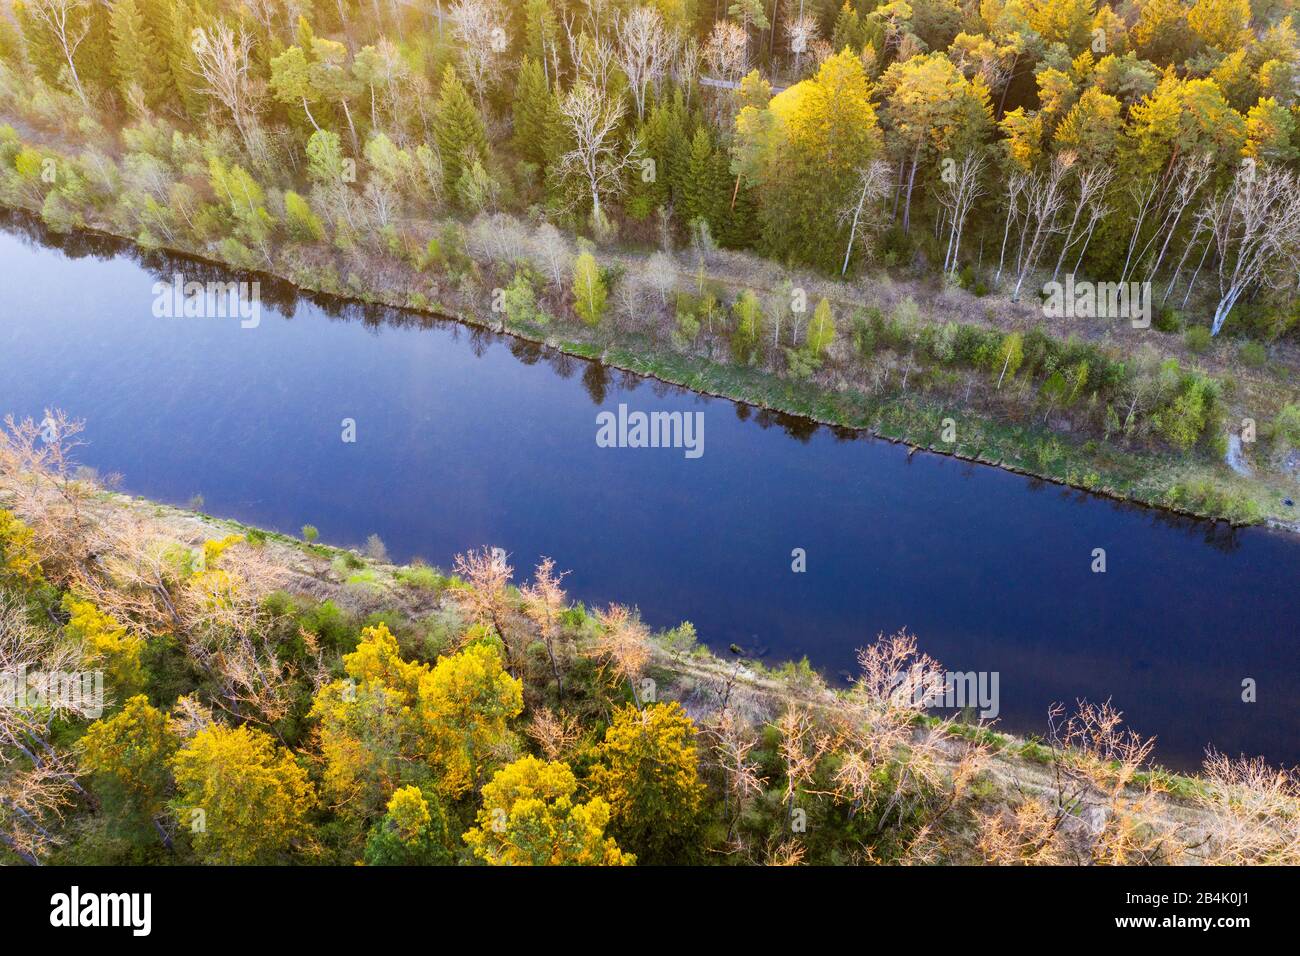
<point>991,777</point>
<point>1179,483</point>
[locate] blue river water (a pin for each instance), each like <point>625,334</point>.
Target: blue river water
<point>466,438</point>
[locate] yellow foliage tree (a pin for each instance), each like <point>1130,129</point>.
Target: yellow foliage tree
<point>465,705</point>
<point>369,731</point>
<point>1221,24</point>
<point>529,819</point>
<point>244,799</point>
<point>648,770</point>
<point>106,643</point>
<point>18,558</point>
<point>133,748</point>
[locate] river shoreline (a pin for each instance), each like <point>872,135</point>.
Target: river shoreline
<point>748,387</point>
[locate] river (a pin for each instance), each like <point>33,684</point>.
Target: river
<point>464,438</point>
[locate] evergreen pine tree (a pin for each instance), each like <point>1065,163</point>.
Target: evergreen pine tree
<point>536,115</point>
<point>458,128</point>
<point>136,55</point>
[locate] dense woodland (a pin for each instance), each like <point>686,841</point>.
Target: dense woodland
<point>768,185</point>
<point>277,701</point>
<point>728,182</point>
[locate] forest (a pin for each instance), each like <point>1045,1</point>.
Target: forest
<point>272,700</point>
<point>851,212</point>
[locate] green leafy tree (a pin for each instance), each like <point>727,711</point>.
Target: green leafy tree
<point>1009,356</point>
<point>413,832</point>
<point>706,190</point>
<point>537,115</point>
<point>304,225</point>
<point>746,339</point>
<point>331,76</point>
<point>291,82</point>
<point>821,329</point>
<point>589,290</point>
<point>136,56</point>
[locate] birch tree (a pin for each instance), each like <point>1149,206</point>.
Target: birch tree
<point>1092,185</point>
<point>725,51</point>
<point>957,196</point>
<point>1255,225</point>
<point>223,63</point>
<point>478,26</point>
<point>68,22</point>
<point>598,158</point>
<point>1045,197</point>
<point>645,51</point>
<point>873,184</point>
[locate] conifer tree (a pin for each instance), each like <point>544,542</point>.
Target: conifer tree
<point>136,56</point>
<point>536,115</point>
<point>458,128</point>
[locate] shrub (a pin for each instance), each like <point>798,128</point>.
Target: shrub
<point>519,301</point>
<point>1253,354</point>
<point>303,224</point>
<point>1167,320</point>
<point>1197,339</point>
<point>1285,429</point>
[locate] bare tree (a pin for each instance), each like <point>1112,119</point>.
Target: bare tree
<point>686,68</point>
<point>554,733</point>
<point>645,50</point>
<point>624,645</point>
<point>957,196</point>
<point>1253,810</point>
<point>1017,183</point>
<point>487,574</point>
<point>591,52</point>
<point>801,33</point>
<point>551,250</point>
<point>1193,173</point>
<point>223,62</point>
<point>68,23</point>
<point>1100,808</point>
<point>1255,224</point>
<point>1044,199</point>
<point>873,184</point>
<point>597,157</point>
<point>725,51</point>
<point>544,602</point>
<point>660,274</point>
<point>803,744</point>
<point>37,779</point>
<point>1093,182</point>
<point>479,26</point>
<point>742,778</point>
